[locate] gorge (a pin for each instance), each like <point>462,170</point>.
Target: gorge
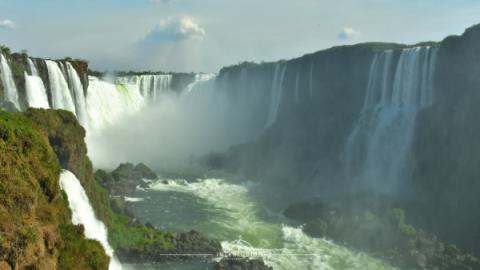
<point>379,133</point>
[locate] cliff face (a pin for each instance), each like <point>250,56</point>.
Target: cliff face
<point>66,136</point>
<point>321,99</point>
<point>447,145</point>
<point>35,221</point>
<point>305,147</point>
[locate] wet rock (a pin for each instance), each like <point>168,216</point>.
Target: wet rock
<point>145,171</point>
<point>238,263</point>
<point>381,232</point>
<point>185,244</point>
<point>125,178</point>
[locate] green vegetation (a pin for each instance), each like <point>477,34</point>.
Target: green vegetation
<point>35,222</point>
<point>121,88</point>
<point>18,68</point>
<point>121,235</point>
<point>4,50</point>
<point>67,139</point>
<point>397,217</point>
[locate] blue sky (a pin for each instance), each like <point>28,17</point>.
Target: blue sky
<point>204,35</point>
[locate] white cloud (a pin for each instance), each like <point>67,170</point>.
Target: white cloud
<point>7,24</point>
<point>348,33</point>
<point>176,29</point>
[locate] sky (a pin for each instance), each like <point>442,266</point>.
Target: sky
<point>204,35</point>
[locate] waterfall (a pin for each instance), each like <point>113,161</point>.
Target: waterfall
<point>149,86</point>
<point>161,83</point>
<point>82,213</point>
<point>297,86</point>
<point>33,69</point>
<point>36,92</point>
<point>199,78</point>
<point>377,151</point>
<point>107,102</point>
<point>311,79</point>
<point>276,93</point>
<point>9,87</point>
<point>61,95</point>
<point>78,94</point>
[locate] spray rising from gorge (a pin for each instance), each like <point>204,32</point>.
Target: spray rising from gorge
<point>347,137</point>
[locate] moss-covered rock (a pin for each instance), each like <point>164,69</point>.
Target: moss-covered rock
<point>132,240</point>
<point>380,231</point>
<point>34,215</point>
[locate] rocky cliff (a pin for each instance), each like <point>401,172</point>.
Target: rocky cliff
<point>35,225</point>
<point>321,99</point>
<point>447,144</point>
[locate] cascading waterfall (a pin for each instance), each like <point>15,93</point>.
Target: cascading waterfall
<point>108,102</point>
<point>149,86</point>
<point>79,95</point>
<point>377,151</point>
<point>31,66</point>
<point>82,213</point>
<point>311,80</point>
<point>6,76</point>
<point>276,93</point>
<point>297,87</point>
<point>61,95</point>
<point>36,92</point>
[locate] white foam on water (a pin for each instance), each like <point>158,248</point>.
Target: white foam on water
<point>296,249</point>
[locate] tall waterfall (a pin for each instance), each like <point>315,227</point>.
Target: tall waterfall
<point>78,94</point>
<point>31,66</point>
<point>378,149</point>
<point>276,93</point>
<point>8,82</point>
<point>36,92</point>
<point>82,213</point>
<point>61,95</point>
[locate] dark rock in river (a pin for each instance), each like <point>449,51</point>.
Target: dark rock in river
<point>125,178</point>
<point>145,171</point>
<point>188,246</point>
<point>238,263</point>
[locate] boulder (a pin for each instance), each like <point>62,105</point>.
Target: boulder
<point>145,171</point>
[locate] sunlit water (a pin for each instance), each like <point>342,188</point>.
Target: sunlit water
<point>227,212</point>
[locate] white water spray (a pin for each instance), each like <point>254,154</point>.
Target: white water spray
<point>78,94</point>
<point>61,95</point>
<point>36,92</point>
<point>108,102</point>
<point>31,66</point>
<point>8,83</point>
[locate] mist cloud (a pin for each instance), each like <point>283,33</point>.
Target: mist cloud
<point>348,33</point>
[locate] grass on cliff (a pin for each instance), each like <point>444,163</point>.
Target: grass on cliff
<point>66,136</point>
<point>35,222</point>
